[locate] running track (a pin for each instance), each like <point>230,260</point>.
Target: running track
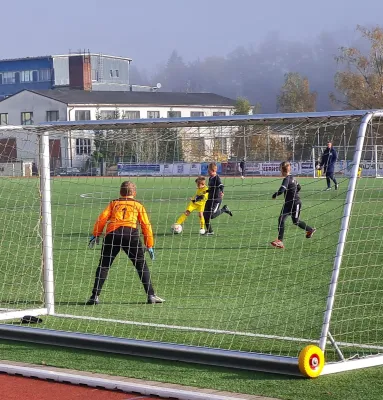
<point>17,388</point>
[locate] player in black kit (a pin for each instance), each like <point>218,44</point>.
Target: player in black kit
<point>292,206</point>
<point>214,200</point>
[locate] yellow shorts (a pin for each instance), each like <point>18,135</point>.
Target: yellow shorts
<point>198,206</point>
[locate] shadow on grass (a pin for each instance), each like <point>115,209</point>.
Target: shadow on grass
<point>102,303</point>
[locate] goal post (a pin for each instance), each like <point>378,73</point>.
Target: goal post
<point>22,239</point>
<point>46,222</point>
<point>310,308</point>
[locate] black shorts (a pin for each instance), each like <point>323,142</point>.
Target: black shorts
<point>293,209</point>
<point>212,205</point>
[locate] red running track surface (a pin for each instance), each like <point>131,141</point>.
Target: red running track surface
<point>20,388</point>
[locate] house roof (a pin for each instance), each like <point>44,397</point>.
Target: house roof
<point>65,55</point>
<point>69,96</point>
<point>93,55</point>
<point>25,58</point>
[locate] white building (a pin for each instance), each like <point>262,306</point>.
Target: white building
<point>33,107</point>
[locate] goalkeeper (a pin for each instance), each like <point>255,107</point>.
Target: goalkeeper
<point>120,218</point>
<point>197,202</point>
<point>328,162</point>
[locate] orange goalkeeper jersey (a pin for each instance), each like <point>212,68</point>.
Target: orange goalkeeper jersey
<point>125,211</point>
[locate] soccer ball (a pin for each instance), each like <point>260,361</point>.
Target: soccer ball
<point>202,231</point>
<point>176,228</point>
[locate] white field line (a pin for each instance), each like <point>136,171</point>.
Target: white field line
<point>216,331</point>
<point>13,314</point>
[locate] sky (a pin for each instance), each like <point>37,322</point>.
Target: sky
<point>149,30</point>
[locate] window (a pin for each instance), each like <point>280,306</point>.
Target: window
<point>3,119</point>
<point>8,77</point>
<point>82,115</point>
<point>197,114</point>
<point>117,72</point>
<point>52,115</point>
<point>219,113</point>
<point>174,114</point>
<point>27,118</point>
<point>94,75</point>
<point>131,115</point>
<point>29,76</point>
<point>111,73</point>
<point>44,75</point>
<point>108,114</point>
<point>83,146</point>
<point>153,114</point>
<point>24,76</point>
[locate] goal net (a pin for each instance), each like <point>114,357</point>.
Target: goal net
<point>22,291</point>
<point>370,165</point>
<point>230,291</point>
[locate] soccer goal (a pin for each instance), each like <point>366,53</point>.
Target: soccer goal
<point>313,307</point>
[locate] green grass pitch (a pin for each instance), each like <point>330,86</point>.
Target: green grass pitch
<point>230,291</point>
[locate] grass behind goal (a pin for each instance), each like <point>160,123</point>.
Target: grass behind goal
<point>231,290</point>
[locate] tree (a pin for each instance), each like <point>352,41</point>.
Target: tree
<point>257,108</point>
<point>361,84</point>
<point>261,146</point>
<point>242,106</point>
<point>295,95</point>
<point>114,145</point>
<point>169,145</point>
<point>174,75</point>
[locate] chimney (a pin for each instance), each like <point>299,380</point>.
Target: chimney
<point>80,72</point>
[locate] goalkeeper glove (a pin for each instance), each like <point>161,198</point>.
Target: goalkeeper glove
<point>151,253</point>
<point>274,196</point>
<point>199,198</point>
<point>93,241</point>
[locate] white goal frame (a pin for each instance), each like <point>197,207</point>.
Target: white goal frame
<point>233,358</point>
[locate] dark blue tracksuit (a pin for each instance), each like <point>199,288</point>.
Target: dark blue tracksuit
<point>328,161</point>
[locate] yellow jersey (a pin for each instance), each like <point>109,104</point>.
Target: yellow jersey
<point>200,196</point>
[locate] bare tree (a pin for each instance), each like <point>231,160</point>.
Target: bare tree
<point>361,84</point>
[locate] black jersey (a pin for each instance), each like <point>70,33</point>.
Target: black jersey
<point>290,188</point>
<point>215,187</point>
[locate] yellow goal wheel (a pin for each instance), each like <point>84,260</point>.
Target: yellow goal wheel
<point>311,361</point>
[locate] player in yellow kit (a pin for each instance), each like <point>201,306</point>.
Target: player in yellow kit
<point>197,202</point>
<point>318,169</point>
<point>360,171</point>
